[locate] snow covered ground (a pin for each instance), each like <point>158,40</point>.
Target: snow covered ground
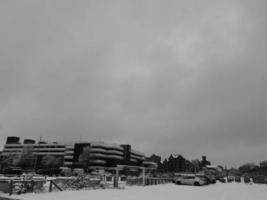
<point>218,191</point>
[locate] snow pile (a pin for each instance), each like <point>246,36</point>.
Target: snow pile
<point>219,191</point>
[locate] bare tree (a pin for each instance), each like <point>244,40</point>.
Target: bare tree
<point>9,160</point>
<point>84,157</point>
<point>195,165</point>
<point>247,167</point>
<point>26,159</point>
<point>52,161</point>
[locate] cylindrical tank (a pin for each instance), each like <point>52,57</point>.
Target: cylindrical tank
<point>12,140</point>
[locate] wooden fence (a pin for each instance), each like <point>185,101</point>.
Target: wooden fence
<point>21,186</point>
<point>25,186</point>
<point>148,181</point>
<point>157,181</point>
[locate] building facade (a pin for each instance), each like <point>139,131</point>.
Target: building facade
<point>100,154</point>
<point>154,158</point>
<point>204,162</point>
<point>263,164</point>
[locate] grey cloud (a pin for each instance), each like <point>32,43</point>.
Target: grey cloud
<point>168,77</point>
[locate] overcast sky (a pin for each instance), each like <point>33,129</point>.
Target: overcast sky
<point>185,77</point>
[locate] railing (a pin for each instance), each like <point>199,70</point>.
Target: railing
<point>60,184</point>
<point>21,186</point>
<point>148,181</point>
<point>157,181</point>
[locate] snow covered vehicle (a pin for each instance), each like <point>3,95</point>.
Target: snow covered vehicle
<point>190,179</point>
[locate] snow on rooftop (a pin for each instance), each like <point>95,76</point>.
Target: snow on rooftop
<point>212,166</point>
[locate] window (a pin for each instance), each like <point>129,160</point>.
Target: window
<point>189,177</point>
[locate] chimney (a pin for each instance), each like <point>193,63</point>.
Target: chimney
<point>204,158</point>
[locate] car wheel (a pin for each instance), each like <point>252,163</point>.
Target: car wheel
<point>178,183</point>
<point>196,184</point>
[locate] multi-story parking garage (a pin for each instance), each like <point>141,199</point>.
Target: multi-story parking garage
<point>101,154</point>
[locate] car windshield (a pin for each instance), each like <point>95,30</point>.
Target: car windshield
<point>189,177</point>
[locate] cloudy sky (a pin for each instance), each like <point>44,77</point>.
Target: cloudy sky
<point>186,77</point>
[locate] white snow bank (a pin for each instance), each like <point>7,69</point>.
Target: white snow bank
<point>219,191</point>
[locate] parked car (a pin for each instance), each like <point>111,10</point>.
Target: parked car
<point>237,179</point>
<point>230,179</point>
<point>246,179</point>
<point>190,179</point>
<point>259,179</point>
<point>203,177</point>
<point>222,180</point>
<point>211,178</point>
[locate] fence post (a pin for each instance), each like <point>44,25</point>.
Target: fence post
<point>116,179</point>
<point>11,187</point>
<point>32,186</point>
<point>50,186</point>
<point>143,175</point>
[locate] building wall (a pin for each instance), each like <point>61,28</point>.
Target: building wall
<point>101,154</point>
<point>111,155</point>
<point>204,162</point>
<point>38,149</point>
<point>154,158</point>
<point>175,163</point>
<point>263,164</point>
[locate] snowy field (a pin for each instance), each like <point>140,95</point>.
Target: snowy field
<point>219,191</point>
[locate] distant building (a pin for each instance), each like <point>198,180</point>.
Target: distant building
<point>101,154</point>
<point>233,172</point>
<point>263,164</point>
<point>204,162</point>
<point>216,170</point>
<point>176,163</point>
<point>154,158</point>
<point>189,166</point>
<point>154,161</point>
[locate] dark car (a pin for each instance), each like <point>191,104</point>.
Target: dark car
<point>211,179</point>
<point>12,171</point>
<point>222,180</point>
<point>237,179</point>
<point>246,179</point>
<point>230,179</point>
<point>259,179</point>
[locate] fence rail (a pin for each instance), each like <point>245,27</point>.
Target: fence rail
<point>61,184</point>
<point>21,186</point>
<point>148,181</point>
